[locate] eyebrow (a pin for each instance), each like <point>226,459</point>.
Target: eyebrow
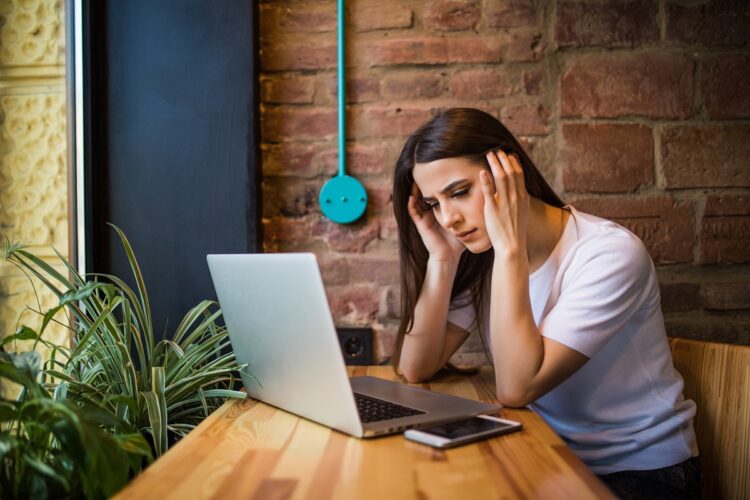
<point>447,188</point>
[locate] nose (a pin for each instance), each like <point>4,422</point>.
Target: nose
<point>449,217</point>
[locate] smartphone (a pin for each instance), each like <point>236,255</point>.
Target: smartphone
<point>462,432</point>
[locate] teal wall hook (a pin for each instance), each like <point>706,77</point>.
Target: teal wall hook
<point>343,199</point>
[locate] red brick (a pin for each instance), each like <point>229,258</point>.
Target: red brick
<point>351,238</point>
<point>725,86</point>
<point>359,87</point>
<point>297,18</point>
<point>334,269</point>
<point>665,225</point>
<point>451,15</point>
<point>710,328</point>
<point>393,302</point>
<point>706,155</point>
<point>290,197</point>
<point>380,198</point>
<point>480,84</point>
<point>389,228</point>
<point>680,296</point>
<point>281,234</point>
<point>366,269</point>
<point>526,119</point>
<point>288,89</point>
<point>533,81</point>
<point>298,124</point>
<point>290,159</point>
<point>512,13</point>
<point>386,121</point>
<point>607,158</point>
<point>412,85</point>
<point>298,54</point>
<point>725,230</point>
<point>380,16</point>
<point>611,24</point>
<point>354,304</point>
<point>714,22</point>
<point>369,159</point>
<point>435,50</point>
<point>524,46</point>
<point>654,85</point>
<point>726,296</point>
<point>727,204</point>
<point>361,159</point>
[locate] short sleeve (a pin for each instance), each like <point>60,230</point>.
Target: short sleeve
<point>604,286</point>
<point>462,312</point>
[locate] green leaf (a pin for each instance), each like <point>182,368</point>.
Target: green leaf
<point>134,443</point>
<point>23,333</point>
<point>46,470</point>
<point>156,407</point>
<point>22,369</point>
<point>8,411</point>
<point>7,444</point>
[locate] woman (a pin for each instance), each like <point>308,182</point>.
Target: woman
<point>567,303</point>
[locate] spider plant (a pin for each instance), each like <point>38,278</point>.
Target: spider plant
<point>58,449</point>
<point>162,388</point>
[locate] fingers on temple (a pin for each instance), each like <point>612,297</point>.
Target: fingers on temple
<point>518,171</point>
<point>487,187</point>
<point>498,173</point>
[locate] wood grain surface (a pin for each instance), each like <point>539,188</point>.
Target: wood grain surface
<point>247,449</point>
<point>717,378</point>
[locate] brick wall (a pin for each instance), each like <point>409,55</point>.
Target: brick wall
<point>634,110</point>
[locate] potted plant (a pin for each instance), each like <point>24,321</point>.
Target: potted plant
<point>161,389</point>
<point>56,448</point>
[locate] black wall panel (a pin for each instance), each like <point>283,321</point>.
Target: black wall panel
<point>173,133</point>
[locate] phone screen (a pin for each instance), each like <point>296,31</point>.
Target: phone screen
<point>462,428</point>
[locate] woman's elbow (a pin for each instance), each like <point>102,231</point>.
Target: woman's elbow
<point>514,400</point>
<point>413,377</point>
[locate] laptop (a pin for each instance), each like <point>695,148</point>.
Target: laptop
<point>280,325</point>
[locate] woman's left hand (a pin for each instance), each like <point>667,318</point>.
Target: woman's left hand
<point>506,205</point>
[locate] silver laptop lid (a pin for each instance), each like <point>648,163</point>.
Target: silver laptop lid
<point>279,323</point>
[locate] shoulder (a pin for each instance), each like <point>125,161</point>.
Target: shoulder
<point>608,252</point>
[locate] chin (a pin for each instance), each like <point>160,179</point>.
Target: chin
<point>478,247</point>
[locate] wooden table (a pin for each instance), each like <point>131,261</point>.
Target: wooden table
<point>247,449</point>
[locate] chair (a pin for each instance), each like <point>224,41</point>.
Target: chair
<point>717,378</point>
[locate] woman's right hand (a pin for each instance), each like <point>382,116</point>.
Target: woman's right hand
<point>441,244</point>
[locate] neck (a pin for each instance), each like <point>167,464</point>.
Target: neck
<point>544,229</point>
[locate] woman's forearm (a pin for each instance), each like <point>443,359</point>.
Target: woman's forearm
<point>517,345</point>
<point>423,350</point>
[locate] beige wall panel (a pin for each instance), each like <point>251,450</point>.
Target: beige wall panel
<point>33,185</point>
<point>32,32</point>
<point>33,170</point>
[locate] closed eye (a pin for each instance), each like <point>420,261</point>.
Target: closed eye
<point>433,204</point>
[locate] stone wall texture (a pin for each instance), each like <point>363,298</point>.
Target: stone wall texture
<point>635,110</point>
<point>33,170</point>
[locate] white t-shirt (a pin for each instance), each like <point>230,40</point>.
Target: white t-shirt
<point>598,293</point>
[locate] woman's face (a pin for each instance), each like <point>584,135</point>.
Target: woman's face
<point>451,189</point>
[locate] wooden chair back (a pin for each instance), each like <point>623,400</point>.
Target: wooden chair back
<point>717,378</point>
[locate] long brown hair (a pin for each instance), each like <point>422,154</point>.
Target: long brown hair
<point>457,132</point>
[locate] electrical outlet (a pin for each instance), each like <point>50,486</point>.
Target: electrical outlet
<point>356,345</point>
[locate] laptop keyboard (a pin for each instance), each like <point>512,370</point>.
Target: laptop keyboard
<point>374,410</point>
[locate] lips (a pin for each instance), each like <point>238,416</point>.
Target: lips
<point>466,234</point>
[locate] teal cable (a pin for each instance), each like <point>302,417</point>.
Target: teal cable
<point>342,89</point>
